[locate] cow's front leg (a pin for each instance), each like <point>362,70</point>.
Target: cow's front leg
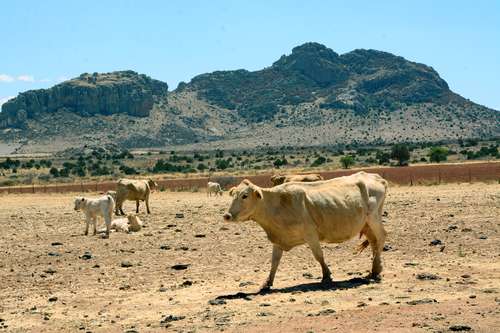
<point>275,261</point>
<point>313,242</point>
<point>87,222</point>
<point>137,206</point>
<point>94,222</point>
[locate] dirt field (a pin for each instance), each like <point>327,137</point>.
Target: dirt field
<point>48,284</point>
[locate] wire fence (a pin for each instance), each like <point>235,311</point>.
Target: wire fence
<point>410,175</point>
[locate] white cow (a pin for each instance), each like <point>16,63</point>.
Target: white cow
<point>213,187</point>
<point>296,213</point>
<point>92,208</point>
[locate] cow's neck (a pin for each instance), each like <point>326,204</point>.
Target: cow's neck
<point>265,216</point>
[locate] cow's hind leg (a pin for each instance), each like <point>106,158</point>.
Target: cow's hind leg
<point>275,261</point>
<point>376,235</point>
<point>313,242</point>
<point>137,206</point>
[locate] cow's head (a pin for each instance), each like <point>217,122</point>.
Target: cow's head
<point>152,184</point>
<point>79,202</point>
<point>245,199</point>
<point>278,179</point>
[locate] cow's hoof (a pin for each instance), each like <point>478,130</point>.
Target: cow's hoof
<point>374,276</point>
<point>265,289</point>
<point>105,236</point>
<point>327,281</point>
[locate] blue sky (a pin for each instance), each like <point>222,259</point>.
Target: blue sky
<point>44,42</point>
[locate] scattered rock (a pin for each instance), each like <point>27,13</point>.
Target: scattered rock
<point>187,283</point>
<point>264,304</point>
<point>308,275</point>
<point>460,328</point>
<point>126,264</point>
<point>56,244</point>
<point>421,301</point>
<point>200,236</point>
<point>325,312</point>
<point>162,289</point>
<point>435,242</point>
<point>125,287</point>
<point>53,254</point>
<point>361,304</point>
<point>483,237</point>
<point>165,322</point>
<point>53,299</point>
<point>466,230</point>
<point>96,266</point>
<point>465,276</point>
<point>247,283</point>
<point>180,267</point>
<point>179,215</point>
<point>217,301</point>
<point>441,249</point>
<point>264,314</point>
<point>165,247</point>
<point>50,270</point>
<point>427,276</point>
<point>452,227</point>
<point>86,256</point>
<point>387,247</point>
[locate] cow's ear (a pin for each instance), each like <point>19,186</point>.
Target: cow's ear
<point>83,199</point>
<point>258,193</point>
<point>246,182</point>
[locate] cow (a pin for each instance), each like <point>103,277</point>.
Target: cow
<point>296,213</point>
<point>134,190</point>
<point>93,208</point>
<point>280,179</point>
<point>213,187</point>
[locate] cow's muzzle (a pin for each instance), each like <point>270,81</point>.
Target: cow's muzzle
<point>227,217</point>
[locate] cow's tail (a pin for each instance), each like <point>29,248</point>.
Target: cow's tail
<point>361,247</point>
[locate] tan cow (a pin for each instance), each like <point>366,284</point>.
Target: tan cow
<point>134,190</point>
<point>280,179</point>
<point>297,213</point>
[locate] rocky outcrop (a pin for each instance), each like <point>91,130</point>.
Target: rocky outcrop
<point>124,92</point>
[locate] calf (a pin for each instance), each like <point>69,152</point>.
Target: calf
<point>92,208</point>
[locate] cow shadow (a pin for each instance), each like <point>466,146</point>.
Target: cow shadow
<point>304,287</point>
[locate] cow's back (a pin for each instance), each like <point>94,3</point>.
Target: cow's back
<point>337,208</point>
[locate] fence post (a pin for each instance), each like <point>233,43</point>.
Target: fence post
<point>439,175</point>
<point>411,179</point>
<point>96,186</point>
<point>470,176</point>
<point>33,187</point>
<point>81,186</point>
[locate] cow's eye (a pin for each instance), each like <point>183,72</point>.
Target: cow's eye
<point>244,196</point>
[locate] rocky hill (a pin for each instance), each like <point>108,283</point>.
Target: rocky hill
<point>312,96</point>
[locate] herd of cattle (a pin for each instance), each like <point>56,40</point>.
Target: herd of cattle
<point>298,209</point>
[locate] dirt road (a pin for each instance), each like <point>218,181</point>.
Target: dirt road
<point>194,273</point>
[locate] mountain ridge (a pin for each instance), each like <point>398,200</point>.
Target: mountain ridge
<point>362,96</point>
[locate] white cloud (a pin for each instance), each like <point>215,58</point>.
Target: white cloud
<point>5,99</point>
<point>6,78</point>
<point>26,78</point>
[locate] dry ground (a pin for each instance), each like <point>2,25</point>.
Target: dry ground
<point>48,287</point>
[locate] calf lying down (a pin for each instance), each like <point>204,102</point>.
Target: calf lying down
<point>131,223</point>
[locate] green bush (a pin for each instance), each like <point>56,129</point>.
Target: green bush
<point>400,153</point>
<point>438,154</point>
<point>347,161</point>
